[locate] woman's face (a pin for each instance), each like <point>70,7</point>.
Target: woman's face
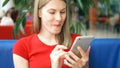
<point>53,15</point>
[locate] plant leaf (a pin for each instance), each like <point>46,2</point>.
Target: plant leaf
<point>80,4</point>
<point>19,22</point>
<point>5,2</point>
<point>16,2</point>
<point>22,29</point>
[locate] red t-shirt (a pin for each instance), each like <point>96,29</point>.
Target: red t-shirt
<point>36,52</point>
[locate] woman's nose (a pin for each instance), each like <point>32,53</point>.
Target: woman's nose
<point>58,17</point>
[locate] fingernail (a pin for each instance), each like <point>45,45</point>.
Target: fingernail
<point>78,47</point>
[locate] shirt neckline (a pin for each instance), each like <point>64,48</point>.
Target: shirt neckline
<point>44,43</point>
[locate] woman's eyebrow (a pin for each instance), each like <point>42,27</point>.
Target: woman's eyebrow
<point>52,9</point>
<point>64,8</point>
<point>55,10</point>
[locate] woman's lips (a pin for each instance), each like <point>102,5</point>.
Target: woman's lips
<point>57,25</point>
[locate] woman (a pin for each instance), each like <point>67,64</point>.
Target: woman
<point>52,41</point>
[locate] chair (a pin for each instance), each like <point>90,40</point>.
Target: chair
<point>7,31</point>
<point>6,58</point>
<point>105,53</point>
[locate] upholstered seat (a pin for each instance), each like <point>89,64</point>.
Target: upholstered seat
<point>104,53</point>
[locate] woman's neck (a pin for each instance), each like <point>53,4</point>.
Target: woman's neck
<point>47,38</point>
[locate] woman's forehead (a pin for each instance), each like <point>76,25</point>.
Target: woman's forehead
<point>56,4</point>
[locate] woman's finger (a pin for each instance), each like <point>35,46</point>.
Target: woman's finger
<point>70,59</point>
<point>88,51</point>
<point>81,51</point>
<point>61,53</point>
<point>67,63</point>
<point>73,56</point>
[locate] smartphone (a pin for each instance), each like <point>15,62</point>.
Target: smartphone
<point>83,42</point>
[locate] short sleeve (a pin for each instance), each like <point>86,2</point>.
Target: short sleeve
<point>74,36</point>
<point>20,48</point>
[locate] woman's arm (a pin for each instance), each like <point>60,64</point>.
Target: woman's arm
<point>19,62</point>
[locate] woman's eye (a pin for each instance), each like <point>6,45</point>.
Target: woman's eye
<point>63,12</point>
<point>52,12</point>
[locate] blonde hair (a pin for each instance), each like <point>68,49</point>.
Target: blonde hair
<point>64,36</point>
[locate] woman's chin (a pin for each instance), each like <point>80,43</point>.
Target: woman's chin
<point>56,31</point>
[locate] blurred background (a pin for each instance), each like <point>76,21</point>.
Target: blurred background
<point>105,20</point>
<point>101,20</point>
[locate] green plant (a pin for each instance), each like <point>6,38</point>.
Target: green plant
<point>75,25</point>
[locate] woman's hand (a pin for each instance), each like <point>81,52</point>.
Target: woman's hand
<point>56,56</point>
<point>74,61</point>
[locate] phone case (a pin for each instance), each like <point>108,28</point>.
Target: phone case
<point>83,42</point>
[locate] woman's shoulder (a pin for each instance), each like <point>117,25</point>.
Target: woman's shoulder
<point>23,45</point>
<point>73,36</point>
